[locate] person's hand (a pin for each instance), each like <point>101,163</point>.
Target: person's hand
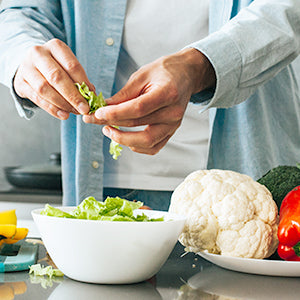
<point>47,76</point>
<point>156,95</point>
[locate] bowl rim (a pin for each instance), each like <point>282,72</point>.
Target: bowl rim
<point>172,217</point>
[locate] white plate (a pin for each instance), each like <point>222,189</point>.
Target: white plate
<point>254,266</point>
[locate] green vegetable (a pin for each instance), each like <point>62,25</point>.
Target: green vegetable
<point>115,149</point>
<point>96,102</point>
<point>280,181</point>
<point>39,270</point>
<point>112,209</point>
<point>53,211</point>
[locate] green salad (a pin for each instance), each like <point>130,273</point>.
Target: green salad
<point>112,209</point>
<point>96,102</point>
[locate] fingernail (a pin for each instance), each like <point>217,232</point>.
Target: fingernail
<point>106,131</point>
<point>62,114</point>
<point>83,108</point>
<point>87,119</point>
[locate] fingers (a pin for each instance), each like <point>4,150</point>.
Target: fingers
<point>42,88</point>
<point>165,115</point>
<point>132,89</point>
<point>58,77</point>
<point>48,74</point>
<point>66,58</point>
<point>148,141</point>
<point>44,104</point>
<point>140,96</point>
<point>131,112</point>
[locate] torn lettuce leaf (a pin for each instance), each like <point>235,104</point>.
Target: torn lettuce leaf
<point>96,102</point>
<point>39,270</point>
<point>53,211</point>
<point>115,149</point>
<point>112,209</point>
<point>93,100</point>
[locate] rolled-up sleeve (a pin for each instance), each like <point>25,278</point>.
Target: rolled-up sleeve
<point>250,49</point>
<point>24,24</point>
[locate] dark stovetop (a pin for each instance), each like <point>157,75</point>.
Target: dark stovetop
<point>12,194</point>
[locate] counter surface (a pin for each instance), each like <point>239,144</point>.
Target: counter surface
<point>181,277</point>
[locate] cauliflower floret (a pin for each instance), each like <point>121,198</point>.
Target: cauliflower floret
<point>228,213</point>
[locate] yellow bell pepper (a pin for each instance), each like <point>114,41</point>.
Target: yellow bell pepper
<point>20,234</point>
<point>9,233</point>
<point>8,230</point>
<point>8,217</point>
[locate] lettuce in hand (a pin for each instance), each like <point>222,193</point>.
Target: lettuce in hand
<point>93,100</point>
<point>96,102</point>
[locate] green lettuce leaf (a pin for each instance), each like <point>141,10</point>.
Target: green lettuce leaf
<point>55,212</point>
<point>112,209</point>
<point>96,102</point>
<point>115,149</point>
<point>39,270</point>
<point>89,209</point>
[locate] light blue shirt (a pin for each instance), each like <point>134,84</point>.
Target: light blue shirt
<point>254,110</point>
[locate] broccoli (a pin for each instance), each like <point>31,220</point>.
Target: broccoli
<point>280,180</point>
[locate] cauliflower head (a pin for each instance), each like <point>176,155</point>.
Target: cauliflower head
<point>228,213</point>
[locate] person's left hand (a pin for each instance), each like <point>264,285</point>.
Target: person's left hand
<point>156,95</point>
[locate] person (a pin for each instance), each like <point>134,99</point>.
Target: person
<point>161,75</point>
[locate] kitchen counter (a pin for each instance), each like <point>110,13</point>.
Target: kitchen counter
<point>26,200</point>
<point>182,277</point>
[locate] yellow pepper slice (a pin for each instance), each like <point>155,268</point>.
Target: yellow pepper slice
<point>9,233</point>
<point>8,230</point>
<point>20,234</point>
<point>8,217</point>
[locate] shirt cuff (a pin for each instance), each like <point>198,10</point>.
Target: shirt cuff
<point>226,60</point>
<point>24,106</point>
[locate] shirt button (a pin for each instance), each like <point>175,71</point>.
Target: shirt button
<point>95,164</point>
<point>109,41</point>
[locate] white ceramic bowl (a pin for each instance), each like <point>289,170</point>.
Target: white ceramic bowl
<point>109,252</point>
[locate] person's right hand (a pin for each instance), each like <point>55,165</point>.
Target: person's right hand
<point>47,76</point>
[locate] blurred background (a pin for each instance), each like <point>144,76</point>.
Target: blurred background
<point>25,142</point>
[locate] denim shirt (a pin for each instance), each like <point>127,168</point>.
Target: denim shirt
<point>254,109</point>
